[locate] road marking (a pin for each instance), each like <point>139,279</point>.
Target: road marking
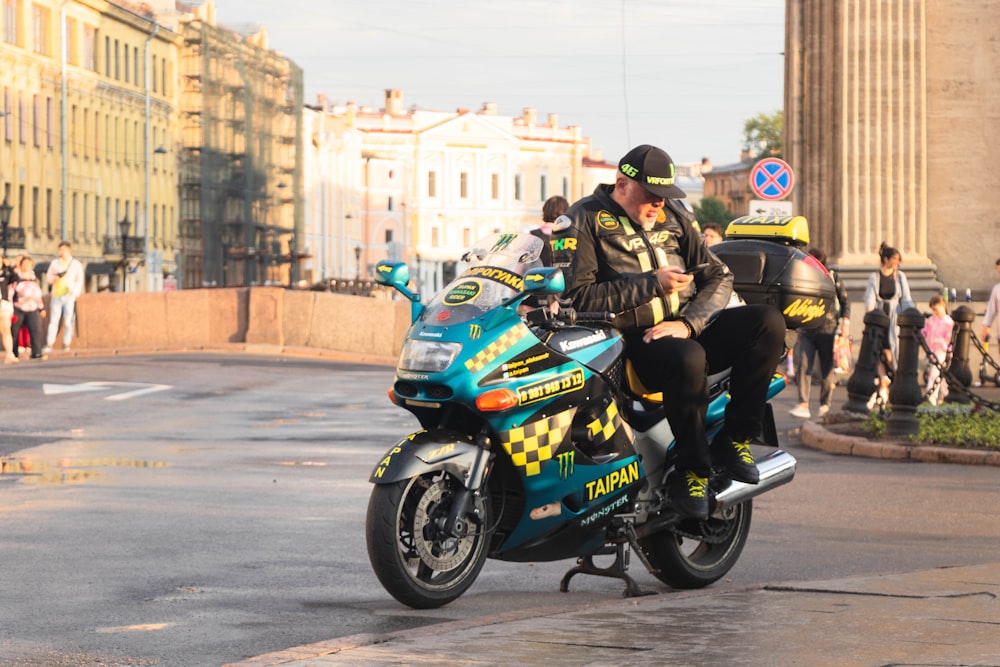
<point>141,388</point>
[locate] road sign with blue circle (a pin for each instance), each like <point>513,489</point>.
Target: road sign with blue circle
<point>771,179</point>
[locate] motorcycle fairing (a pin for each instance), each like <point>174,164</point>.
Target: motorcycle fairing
<point>598,349</point>
<point>425,451</point>
<point>592,495</point>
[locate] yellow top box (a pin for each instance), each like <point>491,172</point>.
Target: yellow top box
<point>792,229</point>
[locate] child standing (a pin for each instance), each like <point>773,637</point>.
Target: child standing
<point>937,333</point>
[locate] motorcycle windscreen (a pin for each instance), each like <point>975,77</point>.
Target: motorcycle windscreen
<point>495,273</point>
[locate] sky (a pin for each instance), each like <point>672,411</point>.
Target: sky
<point>682,75</point>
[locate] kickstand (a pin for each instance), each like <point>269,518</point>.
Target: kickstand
<point>585,565</point>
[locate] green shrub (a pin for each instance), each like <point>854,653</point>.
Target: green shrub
<point>955,425</point>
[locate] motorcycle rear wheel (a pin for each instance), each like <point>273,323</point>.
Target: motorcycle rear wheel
<point>414,561</point>
<point>686,561</point>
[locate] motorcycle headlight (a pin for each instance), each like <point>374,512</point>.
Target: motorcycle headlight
<point>428,356</point>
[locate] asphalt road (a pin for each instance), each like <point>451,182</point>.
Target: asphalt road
<point>194,509</point>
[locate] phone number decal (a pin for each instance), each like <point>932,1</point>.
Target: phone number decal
<point>560,384</point>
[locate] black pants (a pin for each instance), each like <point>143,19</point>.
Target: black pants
<point>33,320</point>
<point>750,339</point>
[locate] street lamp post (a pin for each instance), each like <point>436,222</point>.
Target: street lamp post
<point>123,226</point>
<point>5,210</point>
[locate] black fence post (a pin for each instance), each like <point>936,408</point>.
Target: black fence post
<point>861,384</point>
<point>959,371</point>
<point>904,392</point>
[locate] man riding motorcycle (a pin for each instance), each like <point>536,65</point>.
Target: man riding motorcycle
<point>631,249</point>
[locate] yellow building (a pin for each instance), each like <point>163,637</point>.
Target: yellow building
<point>89,111</point>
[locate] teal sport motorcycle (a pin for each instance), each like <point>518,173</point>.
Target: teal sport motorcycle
<point>537,443</point>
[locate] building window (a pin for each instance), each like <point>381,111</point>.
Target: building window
<point>90,48</point>
<point>107,57</point>
<point>40,16</point>
<point>50,123</point>
<point>389,204</point>
<point>73,125</point>
<point>432,184</point>
<point>388,236</point>
<point>72,52</point>
<point>518,188</point>
<point>135,66</point>
<point>118,63</point>
<point>34,212</point>
<point>48,211</point>
<point>463,185</point>
<point>543,187</point>
<point>152,63</point>
<point>10,21</point>
<point>565,187</point>
<point>36,120</point>
<point>435,237</point>
<point>8,120</point>
<point>466,237</point>
<point>22,119</point>
<point>495,186</point>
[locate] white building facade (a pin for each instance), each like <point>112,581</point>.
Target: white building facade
<point>422,186</point>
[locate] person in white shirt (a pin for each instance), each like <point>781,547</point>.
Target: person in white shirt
<point>992,308</point>
<point>65,276</point>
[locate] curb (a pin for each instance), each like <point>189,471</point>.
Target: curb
<point>245,348</point>
<point>318,650</point>
<point>815,436</point>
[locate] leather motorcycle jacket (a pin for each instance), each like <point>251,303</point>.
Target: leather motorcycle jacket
<point>608,260</point>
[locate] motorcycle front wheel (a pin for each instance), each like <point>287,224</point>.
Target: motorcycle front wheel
<point>417,563</point>
<point>695,554</point>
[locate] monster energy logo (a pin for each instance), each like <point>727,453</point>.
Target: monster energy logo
<point>567,464</point>
<point>503,242</point>
<point>475,331</point>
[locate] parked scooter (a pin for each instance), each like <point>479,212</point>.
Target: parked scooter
<point>536,444</point>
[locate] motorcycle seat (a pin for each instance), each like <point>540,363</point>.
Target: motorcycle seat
<point>638,390</point>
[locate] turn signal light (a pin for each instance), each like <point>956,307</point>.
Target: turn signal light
<point>496,399</point>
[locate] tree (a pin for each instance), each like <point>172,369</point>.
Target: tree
<point>712,210</point>
<point>762,135</point>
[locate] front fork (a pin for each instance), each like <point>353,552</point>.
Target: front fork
<point>464,500</point>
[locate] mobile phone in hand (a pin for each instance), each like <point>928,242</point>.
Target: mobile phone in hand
<point>696,268</point>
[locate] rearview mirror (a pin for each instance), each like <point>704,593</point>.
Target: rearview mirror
<point>393,274</point>
<point>547,280</point>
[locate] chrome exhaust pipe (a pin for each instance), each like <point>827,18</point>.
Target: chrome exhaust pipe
<point>776,468</point>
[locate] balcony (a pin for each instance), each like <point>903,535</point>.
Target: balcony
<point>14,238</point>
<point>135,248</point>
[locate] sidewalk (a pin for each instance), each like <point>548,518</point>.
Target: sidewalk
<point>936,617</point>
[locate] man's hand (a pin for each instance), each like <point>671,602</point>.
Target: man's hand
<point>672,279</point>
<point>667,329</point>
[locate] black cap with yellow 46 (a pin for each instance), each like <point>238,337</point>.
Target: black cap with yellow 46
<point>652,168</point>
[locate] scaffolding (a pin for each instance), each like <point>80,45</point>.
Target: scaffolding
<point>241,124</point>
